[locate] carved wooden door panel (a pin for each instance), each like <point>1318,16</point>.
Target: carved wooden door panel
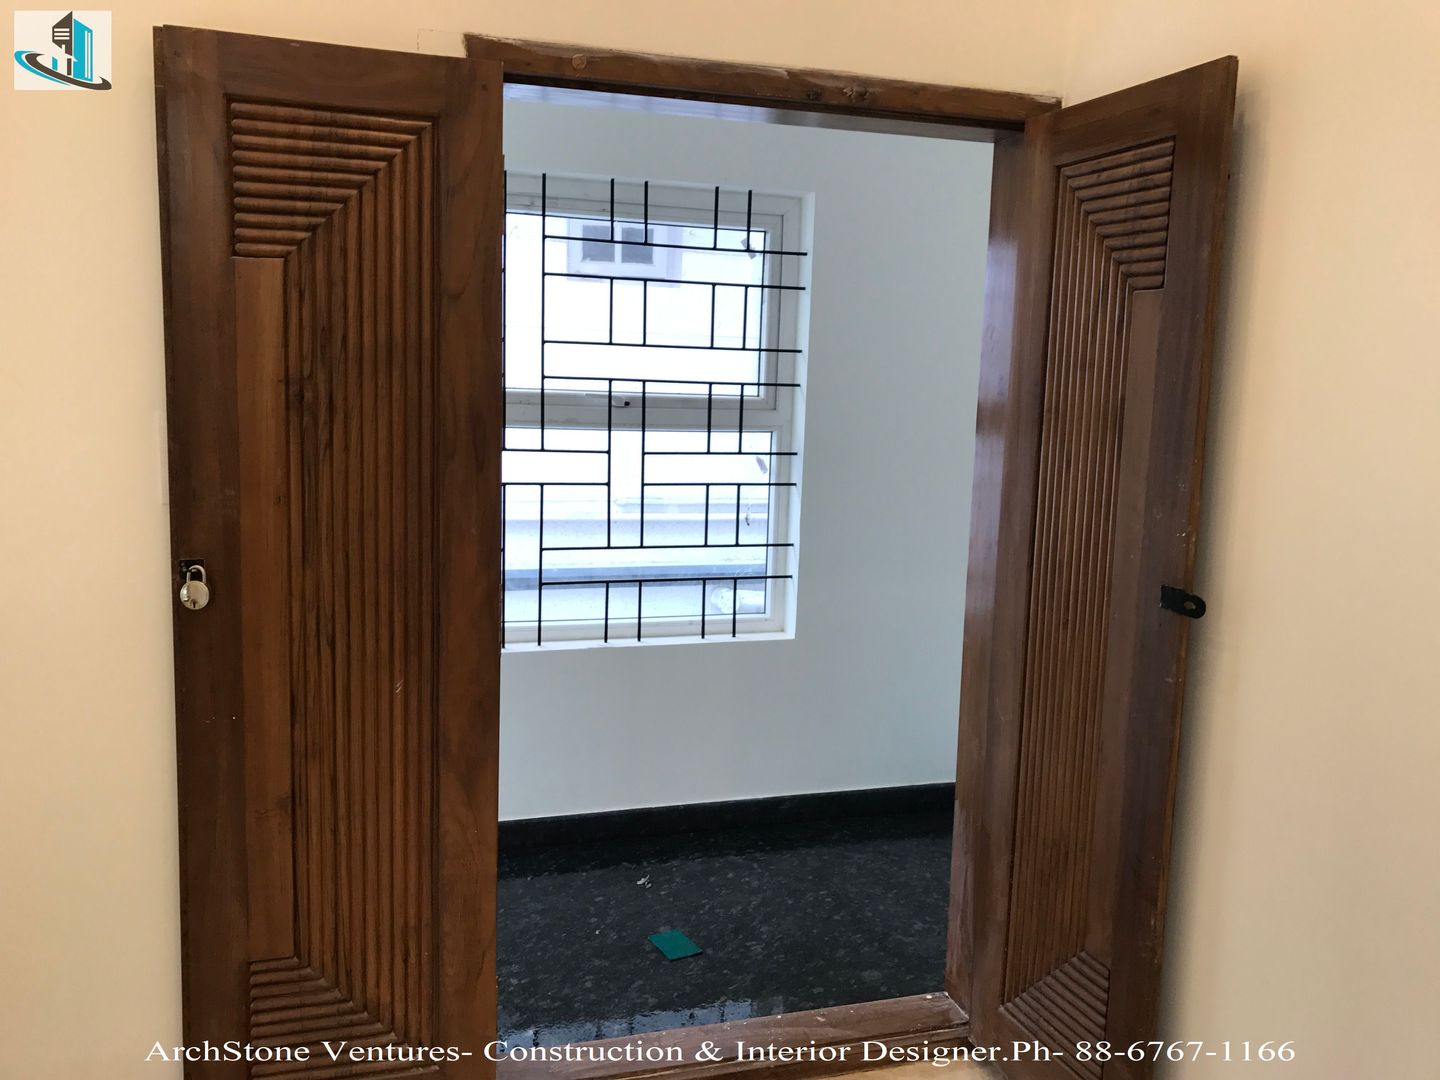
<point>1104,261</point>
<point>332,221</point>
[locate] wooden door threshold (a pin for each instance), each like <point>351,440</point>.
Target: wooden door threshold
<point>822,1042</point>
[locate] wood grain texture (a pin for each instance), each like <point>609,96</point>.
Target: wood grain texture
<point>1111,232</point>
<point>293,169</point>
<point>1011,394</point>
<point>332,300</point>
<point>363,661</point>
<point>1090,438</point>
<point>819,93</point>
<point>895,1022</point>
<point>266,482</point>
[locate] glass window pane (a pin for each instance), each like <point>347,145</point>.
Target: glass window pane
<point>615,517</point>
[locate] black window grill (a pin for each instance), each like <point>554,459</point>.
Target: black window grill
<point>651,465</point>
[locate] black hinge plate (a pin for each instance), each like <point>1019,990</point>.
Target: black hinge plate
<point>1181,602</point>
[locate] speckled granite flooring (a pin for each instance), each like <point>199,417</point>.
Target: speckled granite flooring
<point>790,917</point>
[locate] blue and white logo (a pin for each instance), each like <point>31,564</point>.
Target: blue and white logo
<point>62,50</point>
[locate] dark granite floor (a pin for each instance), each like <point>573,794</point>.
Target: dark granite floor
<point>790,917</point>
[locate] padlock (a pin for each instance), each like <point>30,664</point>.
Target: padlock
<point>194,593</point>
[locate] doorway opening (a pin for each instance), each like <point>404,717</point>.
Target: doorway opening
<point>741,366</point>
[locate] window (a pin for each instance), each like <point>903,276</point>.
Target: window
<point>643,251</point>
<point>653,368</point>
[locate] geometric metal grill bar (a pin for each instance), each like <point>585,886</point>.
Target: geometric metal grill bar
<point>631,417</point>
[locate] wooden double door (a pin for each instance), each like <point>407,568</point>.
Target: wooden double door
<point>331,228</point>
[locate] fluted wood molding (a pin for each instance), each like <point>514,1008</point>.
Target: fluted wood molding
<point>344,199</point>
<point>294,168</point>
<point>1111,231</point>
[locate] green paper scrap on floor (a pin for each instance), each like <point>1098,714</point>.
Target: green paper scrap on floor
<point>675,945</point>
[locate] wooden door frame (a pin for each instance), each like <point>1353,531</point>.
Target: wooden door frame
<point>677,85</point>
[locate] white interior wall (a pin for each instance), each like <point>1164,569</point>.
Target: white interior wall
<point>867,692</point>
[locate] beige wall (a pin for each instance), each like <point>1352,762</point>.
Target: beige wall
<point>1307,888</point>
<point>88,906</point>
<point>1307,861</point>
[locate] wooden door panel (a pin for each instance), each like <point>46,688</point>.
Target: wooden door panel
<point>1093,412</point>
<point>333,219</point>
<point>1110,247</point>
<point>358,374</point>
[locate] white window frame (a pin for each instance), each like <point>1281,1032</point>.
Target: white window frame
<point>783,220</point>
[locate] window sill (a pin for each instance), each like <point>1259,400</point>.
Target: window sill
<point>560,644</point>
